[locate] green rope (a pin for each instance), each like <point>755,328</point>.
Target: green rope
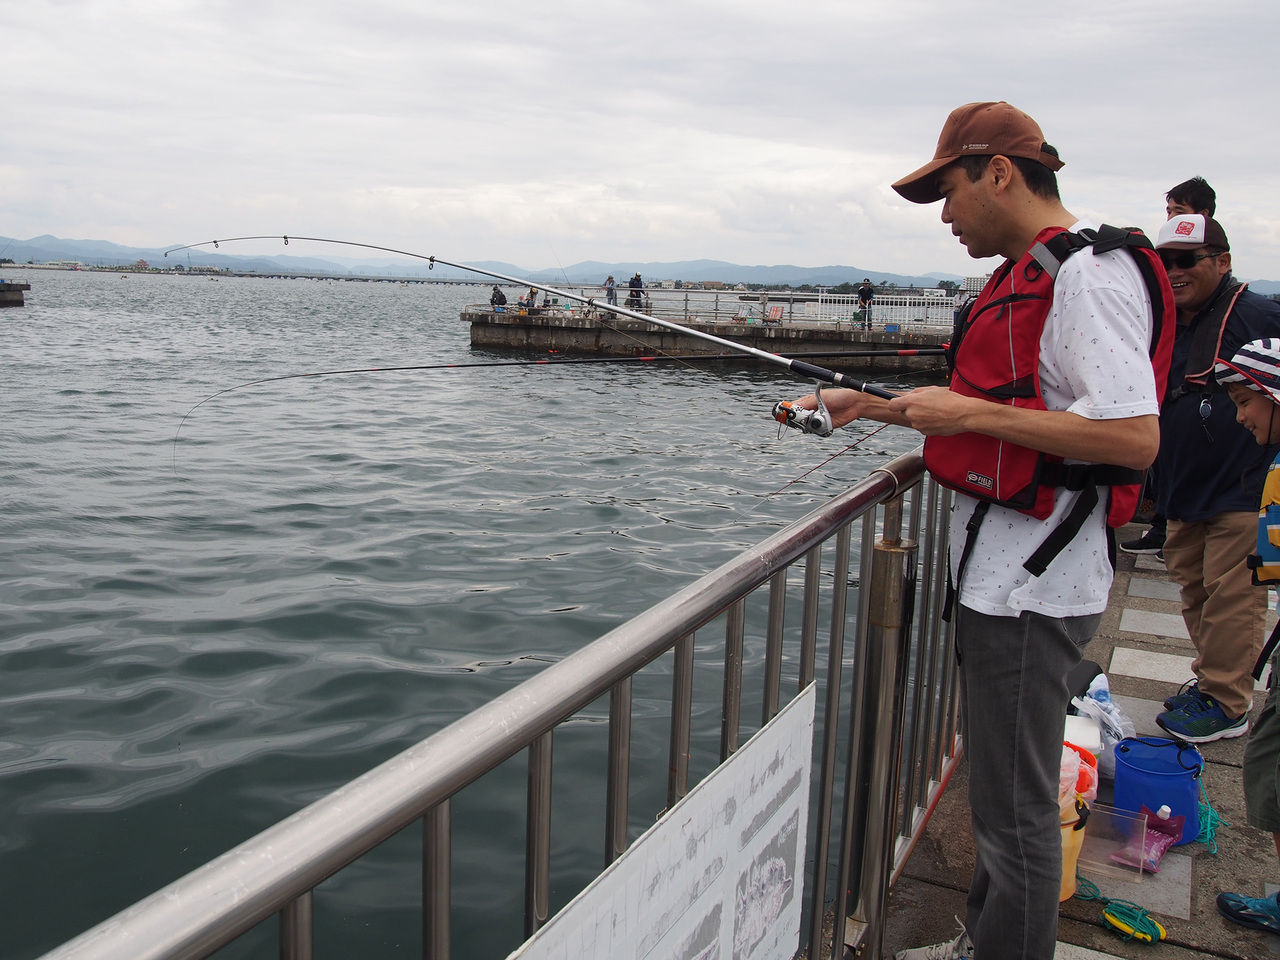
<point>1209,821</point>
<point>1131,921</point>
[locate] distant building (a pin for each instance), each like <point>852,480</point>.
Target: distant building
<point>668,284</point>
<point>713,284</point>
<point>975,284</point>
<point>740,286</point>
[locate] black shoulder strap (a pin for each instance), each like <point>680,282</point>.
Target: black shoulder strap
<point>1051,253</point>
<point>971,537</point>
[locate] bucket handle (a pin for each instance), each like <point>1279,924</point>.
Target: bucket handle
<point>1159,742</point>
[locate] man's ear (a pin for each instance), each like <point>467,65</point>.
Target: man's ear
<point>1000,171</point>
<point>1224,263</point>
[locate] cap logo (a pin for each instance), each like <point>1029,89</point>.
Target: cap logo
<point>1184,229</point>
<point>975,146</point>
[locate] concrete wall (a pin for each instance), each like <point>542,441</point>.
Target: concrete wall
<point>563,332</point>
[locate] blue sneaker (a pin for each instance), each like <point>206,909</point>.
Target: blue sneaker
<point>1186,693</point>
<point>1260,913</point>
<point>1201,720</point>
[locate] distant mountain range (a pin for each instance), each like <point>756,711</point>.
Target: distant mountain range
<point>104,253</point>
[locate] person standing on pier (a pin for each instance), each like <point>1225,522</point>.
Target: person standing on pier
<point>635,288</point>
<point>1252,380</point>
<point>1211,476</point>
<point>1022,621</point>
<point>866,293</point>
<point>1190,196</point>
<point>610,291</point>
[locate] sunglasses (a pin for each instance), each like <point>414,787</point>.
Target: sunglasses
<point>1184,260</point>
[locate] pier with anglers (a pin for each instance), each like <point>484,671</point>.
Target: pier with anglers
<point>833,695</point>
<point>821,326</point>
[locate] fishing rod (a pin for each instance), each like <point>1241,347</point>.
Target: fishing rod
<point>809,421</point>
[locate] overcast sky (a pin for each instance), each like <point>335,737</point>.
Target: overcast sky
<point>555,132</point>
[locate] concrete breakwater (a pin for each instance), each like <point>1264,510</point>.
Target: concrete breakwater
<point>572,332</point>
<point>11,292</point>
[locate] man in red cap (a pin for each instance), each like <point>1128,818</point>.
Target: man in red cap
<point>1053,358</point>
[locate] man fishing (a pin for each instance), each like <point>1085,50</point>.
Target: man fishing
<point>1029,557</point>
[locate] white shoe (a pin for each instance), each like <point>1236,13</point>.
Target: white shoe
<point>961,948</point>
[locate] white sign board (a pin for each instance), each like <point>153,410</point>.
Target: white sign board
<point>718,877</point>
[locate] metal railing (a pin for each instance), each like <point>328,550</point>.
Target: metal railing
<point>707,306</point>
<point>897,711</point>
<point>901,309</point>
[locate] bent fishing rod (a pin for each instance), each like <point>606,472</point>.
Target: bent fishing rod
<point>809,421</point>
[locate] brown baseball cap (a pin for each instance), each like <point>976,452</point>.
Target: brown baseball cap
<point>978,130</point>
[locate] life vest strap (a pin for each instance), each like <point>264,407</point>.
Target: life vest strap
<point>1084,477</point>
<point>1079,476</point>
<point>1064,533</point>
<point>971,537</point>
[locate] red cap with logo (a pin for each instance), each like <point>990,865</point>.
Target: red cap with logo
<point>1189,231</point>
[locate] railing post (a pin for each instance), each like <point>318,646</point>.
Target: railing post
<point>852,825</point>
<point>809,621</point>
<point>830,741</point>
<point>436,881</point>
<point>296,930</point>
<point>875,759</point>
<point>618,789</point>
<point>681,719</point>
<point>537,866</point>
<point>735,623</point>
<point>773,646</point>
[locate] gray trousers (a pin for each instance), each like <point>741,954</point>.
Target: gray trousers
<point>1013,704</point>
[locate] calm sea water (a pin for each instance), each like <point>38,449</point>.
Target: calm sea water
<point>200,635</point>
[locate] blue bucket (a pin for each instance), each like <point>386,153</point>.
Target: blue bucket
<point>1153,771</point>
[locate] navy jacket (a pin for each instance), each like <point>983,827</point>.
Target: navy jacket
<point>1212,466</point>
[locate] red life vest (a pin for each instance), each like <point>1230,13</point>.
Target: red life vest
<point>995,355</point>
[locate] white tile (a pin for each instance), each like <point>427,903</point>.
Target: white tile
<point>1156,624</point>
<point>1143,713</point>
<point>1068,951</point>
<point>1150,666</point>
<point>1161,666</point>
<point>1146,561</point>
<point>1154,589</point>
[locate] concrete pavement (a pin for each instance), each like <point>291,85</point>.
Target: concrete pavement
<point>1142,645</point>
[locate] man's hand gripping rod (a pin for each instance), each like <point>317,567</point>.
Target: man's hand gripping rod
<point>810,421</point>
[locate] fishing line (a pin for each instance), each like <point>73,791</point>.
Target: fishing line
<point>659,358</point>
<point>799,367</point>
<point>768,496</point>
<point>425,366</point>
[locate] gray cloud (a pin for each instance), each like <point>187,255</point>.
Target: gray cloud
<point>745,131</point>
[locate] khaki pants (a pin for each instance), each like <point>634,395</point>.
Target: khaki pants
<point>1224,612</point>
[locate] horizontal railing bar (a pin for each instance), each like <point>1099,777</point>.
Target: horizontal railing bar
<point>212,905</point>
